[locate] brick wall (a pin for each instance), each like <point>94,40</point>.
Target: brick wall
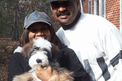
<point>85,6</point>
<point>112,10</point>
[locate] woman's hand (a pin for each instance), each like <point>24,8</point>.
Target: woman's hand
<point>44,74</point>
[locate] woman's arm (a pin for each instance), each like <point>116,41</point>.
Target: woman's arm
<point>69,60</point>
<point>17,65</point>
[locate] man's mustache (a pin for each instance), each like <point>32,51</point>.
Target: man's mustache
<point>65,12</point>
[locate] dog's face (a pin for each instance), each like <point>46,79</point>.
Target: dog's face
<point>39,58</point>
<point>39,52</point>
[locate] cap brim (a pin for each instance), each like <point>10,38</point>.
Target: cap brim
<point>48,1</point>
<point>37,21</point>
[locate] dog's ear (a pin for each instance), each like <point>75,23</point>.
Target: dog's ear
<point>55,51</point>
<point>25,49</point>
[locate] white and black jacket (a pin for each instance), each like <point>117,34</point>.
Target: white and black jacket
<point>98,44</point>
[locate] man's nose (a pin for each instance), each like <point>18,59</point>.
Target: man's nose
<point>60,9</point>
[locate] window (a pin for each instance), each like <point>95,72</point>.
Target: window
<point>90,6</point>
<point>99,7</point>
<point>102,8</point>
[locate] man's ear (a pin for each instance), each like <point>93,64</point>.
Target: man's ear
<point>25,49</point>
<point>78,3</point>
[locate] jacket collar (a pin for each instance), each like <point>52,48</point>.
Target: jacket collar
<point>66,27</point>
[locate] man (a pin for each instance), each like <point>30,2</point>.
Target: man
<point>96,41</point>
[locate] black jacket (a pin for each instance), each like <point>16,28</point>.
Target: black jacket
<point>68,59</point>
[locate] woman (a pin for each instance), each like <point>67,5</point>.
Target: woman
<point>37,24</point>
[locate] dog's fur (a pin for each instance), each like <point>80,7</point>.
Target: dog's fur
<point>39,52</point>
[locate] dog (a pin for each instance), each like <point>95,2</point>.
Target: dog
<point>39,52</point>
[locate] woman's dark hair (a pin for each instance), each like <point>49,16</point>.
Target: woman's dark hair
<point>54,39</point>
<point>24,37</point>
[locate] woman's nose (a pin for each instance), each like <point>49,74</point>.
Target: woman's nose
<point>39,34</point>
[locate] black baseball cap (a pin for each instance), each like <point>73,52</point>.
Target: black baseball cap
<point>36,16</point>
<point>48,1</point>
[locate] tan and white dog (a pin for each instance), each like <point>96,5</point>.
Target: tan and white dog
<point>39,52</point>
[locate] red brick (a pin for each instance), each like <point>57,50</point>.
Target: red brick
<point>112,10</point>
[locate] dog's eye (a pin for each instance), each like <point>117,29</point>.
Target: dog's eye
<point>45,52</point>
<point>48,53</point>
<point>32,53</point>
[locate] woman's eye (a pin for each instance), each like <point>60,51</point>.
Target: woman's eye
<point>33,31</point>
<point>44,29</point>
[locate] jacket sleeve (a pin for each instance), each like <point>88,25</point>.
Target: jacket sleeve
<point>17,65</point>
<point>112,44</point>
<point>69,60</point>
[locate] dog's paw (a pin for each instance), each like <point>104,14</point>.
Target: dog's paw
<point>24,77</point>
<point>62,74</point>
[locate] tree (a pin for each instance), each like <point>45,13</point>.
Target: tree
<point>13,12</point>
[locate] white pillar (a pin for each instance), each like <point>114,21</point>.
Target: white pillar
<point>100,8</point>
<point>81,5</point>
<point>95,7</point>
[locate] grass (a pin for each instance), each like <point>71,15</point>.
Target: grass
<point>7,47</point>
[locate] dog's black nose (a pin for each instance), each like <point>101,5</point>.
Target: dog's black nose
<point>38,60</point>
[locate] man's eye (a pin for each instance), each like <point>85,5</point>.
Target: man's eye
<point>64,4</point>
<point>54,5</point>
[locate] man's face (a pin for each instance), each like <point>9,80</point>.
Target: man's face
<point>64,11</point>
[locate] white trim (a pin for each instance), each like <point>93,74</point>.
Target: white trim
<point>104,8</point>
<point>100,8</point>
<point>81,6</point>
<point>90,6</point>
<point>95,7</point>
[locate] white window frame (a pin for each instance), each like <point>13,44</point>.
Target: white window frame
<point>81,6</point>
<point>90,6</point>
<point>95,7</point>
<point>102,8</point>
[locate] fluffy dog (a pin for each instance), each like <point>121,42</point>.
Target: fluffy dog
<point>39,52</point>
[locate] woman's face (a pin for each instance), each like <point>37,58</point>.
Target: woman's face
<point>39,30</point>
